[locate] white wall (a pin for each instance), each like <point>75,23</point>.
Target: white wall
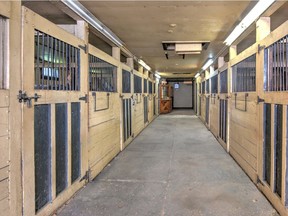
<point>182,96</point>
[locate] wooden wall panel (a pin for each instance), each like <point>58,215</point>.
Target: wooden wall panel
<point>203,108</point>
<point>5,152</point>
<point>214,115</point>
<point>104,131</point>
<point>138,118</point>
<point>244,130</point>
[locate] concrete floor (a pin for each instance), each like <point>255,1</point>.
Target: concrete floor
<point>182,112</point>
<point>175,167</point>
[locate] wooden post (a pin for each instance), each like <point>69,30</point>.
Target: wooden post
<point>221,62</point>
<point>232,51</point>
<point>262,28</point>
<point>130,63</point>
<point>16,198</point>
<point>116,53</point>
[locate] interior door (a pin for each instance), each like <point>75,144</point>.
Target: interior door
<point>54,114</point>
<point>273,98</point>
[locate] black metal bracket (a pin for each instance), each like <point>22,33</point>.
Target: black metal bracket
<point>84,48</point>
<point>260,48</point>
<point>86,177</point>
<point>95,108</point>
<point>24,98</point>
<point>260,100</point>
<point>245,107</point>
<point>137,101</point>
<point>85,98</point>
<point>213,96</point>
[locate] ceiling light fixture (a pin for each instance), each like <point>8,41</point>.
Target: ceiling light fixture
<point>256,12</point>
<point>197,75</point>
<point>207,64</point>
<point>141,62</point>
<point>85,14</point>
<point>157,76</point>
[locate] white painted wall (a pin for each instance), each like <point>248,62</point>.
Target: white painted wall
<point>182,96</point>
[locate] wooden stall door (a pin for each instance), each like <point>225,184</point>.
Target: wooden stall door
<point>53,93</point>
<point>4,115</point>
<point>273,97</point>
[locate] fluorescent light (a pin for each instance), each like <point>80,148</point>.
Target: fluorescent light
<point>141,62</point>
<point>157,76</point>
<point>207,64</point>
<point>197,75</point>
<point>256,12</point>
<point>86,15</point>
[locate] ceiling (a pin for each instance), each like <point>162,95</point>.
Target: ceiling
<point>143,25</point>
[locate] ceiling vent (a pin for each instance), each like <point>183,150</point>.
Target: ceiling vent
<point>184,47</point>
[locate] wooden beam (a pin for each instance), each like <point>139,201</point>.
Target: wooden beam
<point>263,28</point>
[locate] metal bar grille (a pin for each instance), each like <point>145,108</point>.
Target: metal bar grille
<point>145,109</point>
<point>207,88</point>
<point>56,64</point>
<point>126,81</point>
<point>223,120</point>
<point>102,75</point>
<point>3,53</point>
<point>203,87</point>
<point>244,75</point>
<point>150,87</point>
<point>145,86</point>
<point>223,82</point>
<point>278,127</point>
<point>276,66</point>
<point>137,84</point>
<point>214,84</point>
<point>207,110</point>
<point>267,144</point>
<point>127,119</point>
<point>42,155</point>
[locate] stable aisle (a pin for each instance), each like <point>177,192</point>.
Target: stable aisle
<point>175,167</point>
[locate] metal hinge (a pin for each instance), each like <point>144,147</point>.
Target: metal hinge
<point>260,48</point>
<point>85,98</point>
<point>86,177</point>
<point>260,100</point>
<point>24,98</point>
<point>85,48</point>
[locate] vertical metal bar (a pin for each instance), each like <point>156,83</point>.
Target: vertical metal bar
<point>283,64</point>
<point>286,71</point>
<point>37,69</point>
<point>48,63</point>
<point>43,60</point>
<point>53,64</point>
<point>128,117</point>
<point>277,68</point>
<point>59,65</point>
<point>70,67</point>
<point>73,65</point>
<point>63,66</point>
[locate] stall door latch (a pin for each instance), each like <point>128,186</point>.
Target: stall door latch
<point>24,98</point>
<point>260,100</point>
<point>84,98</point>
